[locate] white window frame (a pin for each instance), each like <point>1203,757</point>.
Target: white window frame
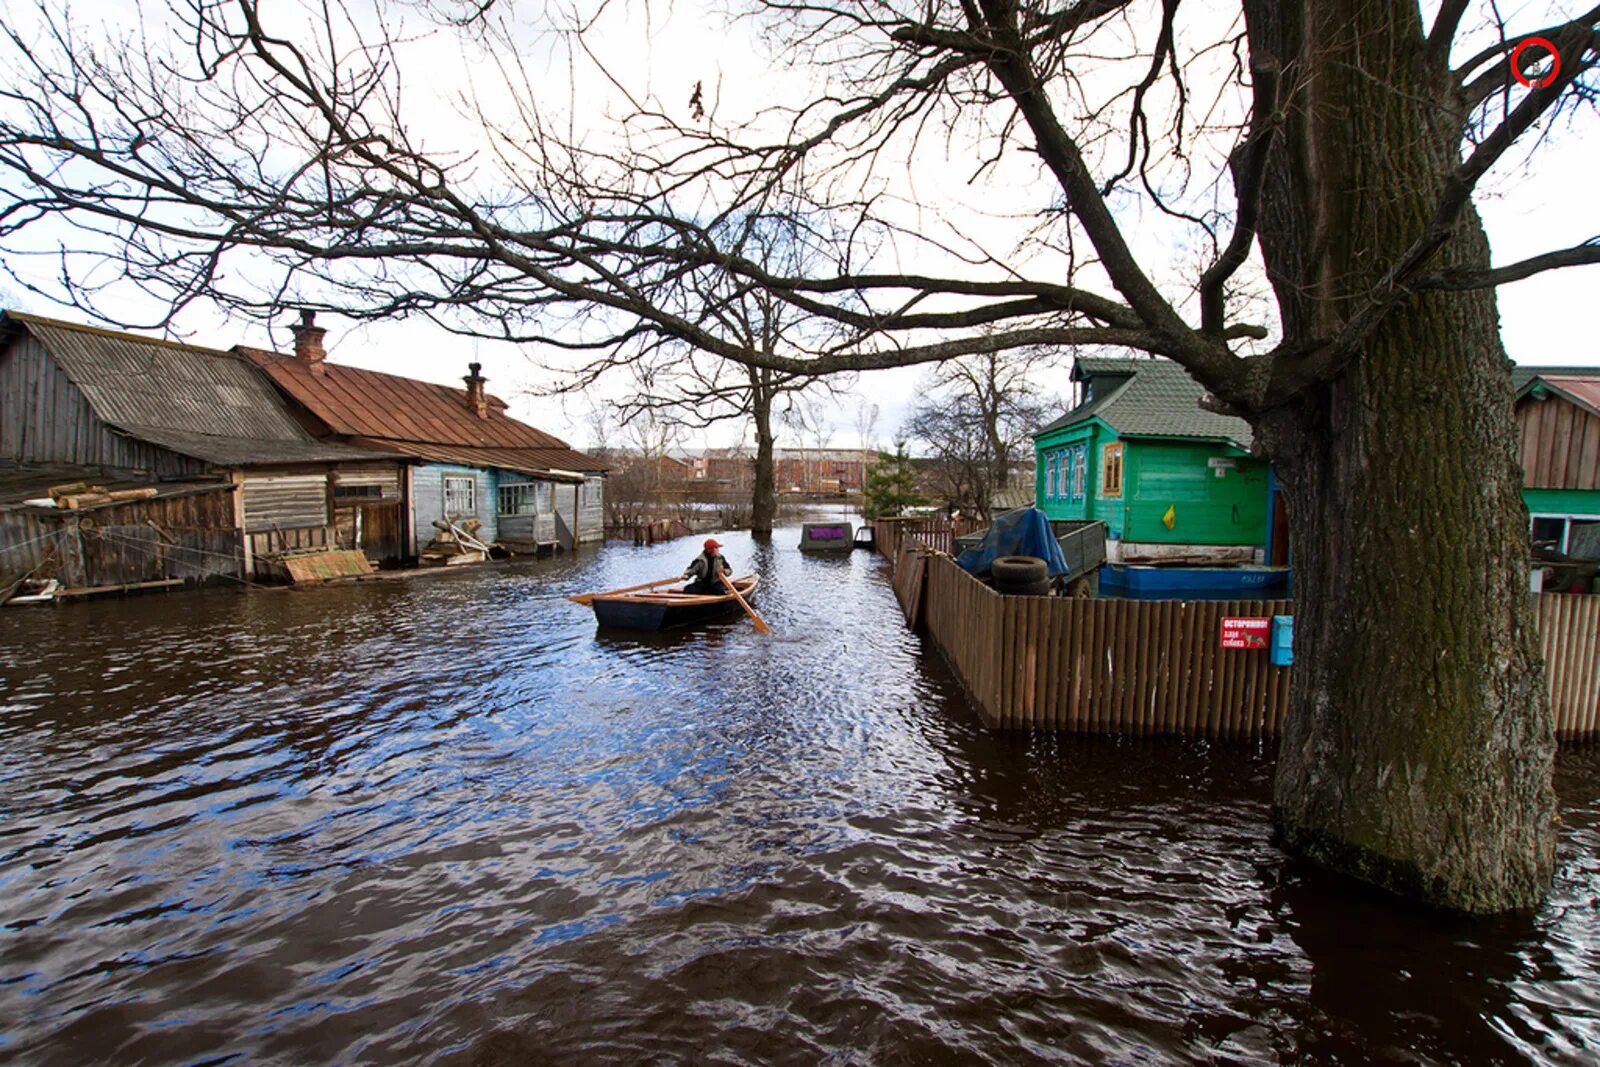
<point>523,495</point>
<point>1566,520</point>
<point>472,495</point>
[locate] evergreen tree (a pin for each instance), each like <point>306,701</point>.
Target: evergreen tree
<point>891,485</point>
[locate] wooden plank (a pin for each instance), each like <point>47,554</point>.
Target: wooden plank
<point>124,587</point>
<point>1072,693</point>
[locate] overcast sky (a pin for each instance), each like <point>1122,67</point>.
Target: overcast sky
<point>1527,209</point>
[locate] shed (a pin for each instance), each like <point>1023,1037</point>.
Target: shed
<point>1140,454</point>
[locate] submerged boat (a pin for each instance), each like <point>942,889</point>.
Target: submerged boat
<point>649,610</point>
<point>827,537</point>
<point>1133,581</point>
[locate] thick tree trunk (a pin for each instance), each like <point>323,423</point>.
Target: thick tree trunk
<point>1418,750</point>
<point>763,499</point>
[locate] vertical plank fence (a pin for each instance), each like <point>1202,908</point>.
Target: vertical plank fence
<point>1107,666</point>
<point>1569,631</point>
<point>1144,667</point>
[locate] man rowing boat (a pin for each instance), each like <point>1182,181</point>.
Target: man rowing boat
<point>706,568</point>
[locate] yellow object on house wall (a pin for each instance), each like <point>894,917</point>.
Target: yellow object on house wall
<point>1170,519</point>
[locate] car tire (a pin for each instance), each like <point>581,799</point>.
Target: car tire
<point>1019,569</point>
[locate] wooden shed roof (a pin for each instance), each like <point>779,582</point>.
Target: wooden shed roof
<point>416,417</point>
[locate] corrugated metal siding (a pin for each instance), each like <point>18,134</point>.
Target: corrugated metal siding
<point>44,418</point>
<point>1560,444</point>
<point>427,500</point>
<point>285,501</point>
<point>139,381</point>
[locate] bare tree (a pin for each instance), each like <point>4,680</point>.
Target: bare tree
<point>1332,144</point>
<point>975,419</point>
<point>679,383</point>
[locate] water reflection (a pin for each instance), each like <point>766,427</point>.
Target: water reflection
<point>446,818</point>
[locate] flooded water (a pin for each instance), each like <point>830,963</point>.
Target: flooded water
<point>442,819</point>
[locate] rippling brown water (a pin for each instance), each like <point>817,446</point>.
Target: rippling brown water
<point>442,818</point>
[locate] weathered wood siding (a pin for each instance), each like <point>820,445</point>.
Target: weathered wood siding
<point>189,537</point>
<point>384,476</point>
<point>1560,444</point>
<point>285,501</point>
<point>44,418</point>
<point>591,511</point>
<point>427,500</point>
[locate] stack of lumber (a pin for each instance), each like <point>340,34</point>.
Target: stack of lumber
<point>77,495</point>
<point>454,544</point>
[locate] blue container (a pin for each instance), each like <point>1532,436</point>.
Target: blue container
<point>1280,649</point>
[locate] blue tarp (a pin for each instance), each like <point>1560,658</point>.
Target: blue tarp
<point>1024,532</point>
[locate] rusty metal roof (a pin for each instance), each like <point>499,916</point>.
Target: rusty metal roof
<point>408,415</point>
<point>548,463</point>
<point>196,401</point>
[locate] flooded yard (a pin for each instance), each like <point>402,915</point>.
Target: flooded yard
<point>442,818</point>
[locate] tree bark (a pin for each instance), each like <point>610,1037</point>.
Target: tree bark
<point>1418,751</point>
<point>763,498</point>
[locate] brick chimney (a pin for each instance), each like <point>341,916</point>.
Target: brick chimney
<point>308,340</point>
<point>477,402</point>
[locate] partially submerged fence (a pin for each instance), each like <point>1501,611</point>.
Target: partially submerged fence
<point>1157,666</point>
<point>939,534</point>
<point>1569,631</point>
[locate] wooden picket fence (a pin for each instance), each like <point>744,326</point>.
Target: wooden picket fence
<point>1157,667</point>
<point>940,534</point>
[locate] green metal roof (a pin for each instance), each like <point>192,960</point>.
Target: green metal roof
<point>1149,398</point>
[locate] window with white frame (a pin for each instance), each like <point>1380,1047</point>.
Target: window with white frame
<point>1559,532</point>
<point>460,497</point>
<point>1080,470</point>
<point>519,499</point>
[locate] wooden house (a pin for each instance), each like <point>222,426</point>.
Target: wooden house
<point>1558,427</point>
<point>1139,453</point>
<point>106,408</point>
<point>527,489</point>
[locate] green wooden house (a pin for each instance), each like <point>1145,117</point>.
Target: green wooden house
<point>1558,425</point>
<point>1139,453</point>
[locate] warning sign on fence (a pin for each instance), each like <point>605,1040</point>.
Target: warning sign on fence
<point>1245,633</point>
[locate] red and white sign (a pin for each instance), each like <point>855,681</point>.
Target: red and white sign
<point>1245,633</point>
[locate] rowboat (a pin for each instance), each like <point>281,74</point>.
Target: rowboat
<point>650,610</point>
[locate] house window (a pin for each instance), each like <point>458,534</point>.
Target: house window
<point>1567,534</point>
<point>1080,470</point>
<point>1050,477</point>
<point>460,497</point>
<point>518,500</point>
<point>357,492</point>
<point>1111,470</point>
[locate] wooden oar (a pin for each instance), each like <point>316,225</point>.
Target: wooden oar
<point>587,599</point>
<point>761,625</point>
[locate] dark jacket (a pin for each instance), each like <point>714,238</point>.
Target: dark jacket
<point>704,577</point>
